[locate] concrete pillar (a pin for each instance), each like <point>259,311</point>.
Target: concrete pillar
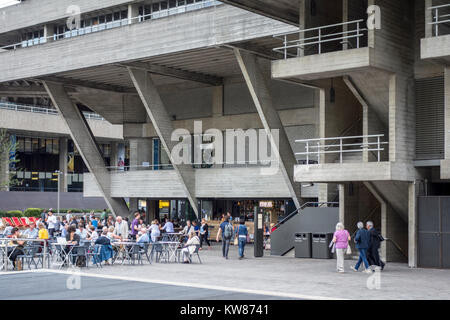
<point>302,15</point>
<point>345,19</point>
<point>49,31</point>
<point>412,225</point>
<point>133,13</point>
<point>401,119</point>
<point>163,125</point>
<point>341,187</point>
<point>114,156</point>
<point>85,143</point>
<point>133,205</point>
<point>428,19</point>
<point>4,164</point>
<point>217,103</point>
<point>140,153</point>
<point>257,84</point>
<point>63,164</point>
<point>152,209</point>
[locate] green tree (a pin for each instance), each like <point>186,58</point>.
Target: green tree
<point>6,148</point>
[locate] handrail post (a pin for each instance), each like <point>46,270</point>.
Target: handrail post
<point>340,149</point>
<point>318,151</point>
<point>436,19</point>
<point>320,40</point>
<point>285,47</point>
<point>307,152</point>
<point>357,35</point>
<point>378,147</point>
<point>45,258</point>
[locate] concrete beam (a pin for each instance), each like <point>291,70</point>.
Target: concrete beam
<point>175,73</point>
<point>87,84</point>
<point>257,84</point>
<point>163,125</point>
<point>85,142</point>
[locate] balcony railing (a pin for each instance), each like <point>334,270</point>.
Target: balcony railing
<point>441,19</point>
<point>342,146</point>
<point>297,43</point>
<point>237,164</point>
<point>43,110</point>
<point>114,24</point>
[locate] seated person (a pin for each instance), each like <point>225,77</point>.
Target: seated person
<point>106,252</point>
<point>154,231</point>
<point>81,231</point>
<point>190,245</point>
<point>73,239</point>
<point>92,234</point>
<point>111,235</point>
<point>43,233</point>
<point>32,232</point>
<point>17,250</point>
<point>143,237</point>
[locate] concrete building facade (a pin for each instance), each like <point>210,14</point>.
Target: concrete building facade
<point>351,95</point>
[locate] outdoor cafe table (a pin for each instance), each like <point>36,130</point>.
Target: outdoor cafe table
<point>173,236</point>
<point>171,248</point>
<point>65,255</point>
<point>123,249</point>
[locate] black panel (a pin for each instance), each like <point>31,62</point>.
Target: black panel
<point>446,250</point>
<point>428,250</point>
<point>445,218</point>
<point>428,214</point>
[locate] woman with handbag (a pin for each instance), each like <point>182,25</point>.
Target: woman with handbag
<point>340,239</point>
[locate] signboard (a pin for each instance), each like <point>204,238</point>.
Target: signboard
<point>266,204</point>
<point>260,221</point>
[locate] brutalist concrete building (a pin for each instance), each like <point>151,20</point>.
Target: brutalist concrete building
<point>354,92</point>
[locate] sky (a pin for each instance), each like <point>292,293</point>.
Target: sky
<point>4,3</point>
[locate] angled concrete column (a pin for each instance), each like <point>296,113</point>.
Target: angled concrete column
<point>63,164</point>
<point>217,103</point>
<point>164,128</point>
<point>412,225</point>
<point>257,84</point>
<point>85,142</point>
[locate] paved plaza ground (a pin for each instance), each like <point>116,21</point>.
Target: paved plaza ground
<point>252,278</point>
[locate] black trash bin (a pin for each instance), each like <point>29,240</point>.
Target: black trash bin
<point>320,245</point>
<point>302,244</point>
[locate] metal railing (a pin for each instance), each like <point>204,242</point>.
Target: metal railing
<point>321,35</point>
<point>440,16</point>
<point>317,147</point>
<point>113,24</point>
<point>5,255</point>
<point>43,110</point>
<point>238,164</point>
<point>305,205</point>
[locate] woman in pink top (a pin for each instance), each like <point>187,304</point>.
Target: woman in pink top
<point>341,238</point>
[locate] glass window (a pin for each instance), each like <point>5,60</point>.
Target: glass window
<point>55,146</point>
<point>155,7</point>
<point>20,145</point>
<point>124,14</point>
<point>27,145</point>
<point>172,3</point>
<point>109,17</point>
<point>35,143</point>
<point>48,145</point>
<point>42,145</point>
<point>102,19</point>
<point>116,16</point>
<point>163,5</point>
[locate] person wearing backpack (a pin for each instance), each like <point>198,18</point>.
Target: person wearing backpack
<point>241,234</point>
<point>373,256</point>
<point>226,229</point>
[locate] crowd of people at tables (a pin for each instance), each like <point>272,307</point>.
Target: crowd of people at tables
<point>104,230</point>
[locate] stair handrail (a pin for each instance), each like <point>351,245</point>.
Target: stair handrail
<point>344,132</point>
<point>303,206</point>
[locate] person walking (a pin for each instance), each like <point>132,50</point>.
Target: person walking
<point>204,234</point>
<point>226,230</point>
<point>373,255</point>
<point>341,238</point>
<point>52,221</point>
<point>241,234</point>
<point>362,240</point>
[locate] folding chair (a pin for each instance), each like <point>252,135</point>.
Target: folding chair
<point>197,247</point>
<point>157,249</point>
<point>144,251</point>
<point>94,253</point>
<point>9,222</point>
<point>30,252</point>
<point>24,221</point>
<point>17,222</point>
<point>134,251</point>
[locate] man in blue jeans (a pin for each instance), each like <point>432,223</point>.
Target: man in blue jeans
<point>225,228</point>
<point>362,240</point>
<point>241,233</point>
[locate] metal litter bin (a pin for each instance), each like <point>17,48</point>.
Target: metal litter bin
<point>302,244</point>
<point>320,245</point>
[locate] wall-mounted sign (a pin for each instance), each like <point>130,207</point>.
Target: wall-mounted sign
<point>266,204</point>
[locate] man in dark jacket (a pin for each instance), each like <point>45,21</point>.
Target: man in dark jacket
<point>362,240</point>
<point>375,240</point>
